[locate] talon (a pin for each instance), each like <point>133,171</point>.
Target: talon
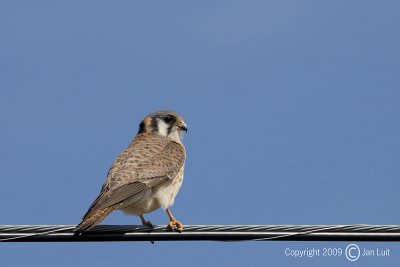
<point>144,222</point>
<point>174,223</point>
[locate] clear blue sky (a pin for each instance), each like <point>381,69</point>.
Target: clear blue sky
<point>292,106</point>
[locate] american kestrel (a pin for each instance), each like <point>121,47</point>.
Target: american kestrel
<point>147,175</point>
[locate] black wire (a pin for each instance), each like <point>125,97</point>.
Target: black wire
<point>64,233</point>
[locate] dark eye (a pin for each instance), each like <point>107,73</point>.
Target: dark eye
<point>169,119</point>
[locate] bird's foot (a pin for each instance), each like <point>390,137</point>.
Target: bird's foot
<point>146,223</point>
<point>149,224</point>
<point>175,224</point>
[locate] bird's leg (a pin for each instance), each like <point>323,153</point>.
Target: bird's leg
<point>144,222</point>
<point>173,222</point>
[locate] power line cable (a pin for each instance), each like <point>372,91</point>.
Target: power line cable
<point>64,233</point>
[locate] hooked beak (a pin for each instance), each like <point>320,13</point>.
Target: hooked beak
<point>182,125</point>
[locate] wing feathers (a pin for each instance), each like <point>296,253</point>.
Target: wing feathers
<point>147,162</point>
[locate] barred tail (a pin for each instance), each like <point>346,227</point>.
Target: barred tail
<point>92,219</point>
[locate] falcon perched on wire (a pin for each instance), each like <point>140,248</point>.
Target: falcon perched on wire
<point>147,175</point>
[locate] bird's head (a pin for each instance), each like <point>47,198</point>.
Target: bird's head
<point>165,123</point>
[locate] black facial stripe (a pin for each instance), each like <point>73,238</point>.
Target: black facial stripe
<point>141,127</point>
<point>154,126</point>
<point>169,128</point>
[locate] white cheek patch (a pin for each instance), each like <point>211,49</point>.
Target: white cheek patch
<point>162,128</point>
<point>174,134</point>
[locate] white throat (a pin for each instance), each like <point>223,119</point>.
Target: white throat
<point>165,131</point>
<point>175,135</point>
